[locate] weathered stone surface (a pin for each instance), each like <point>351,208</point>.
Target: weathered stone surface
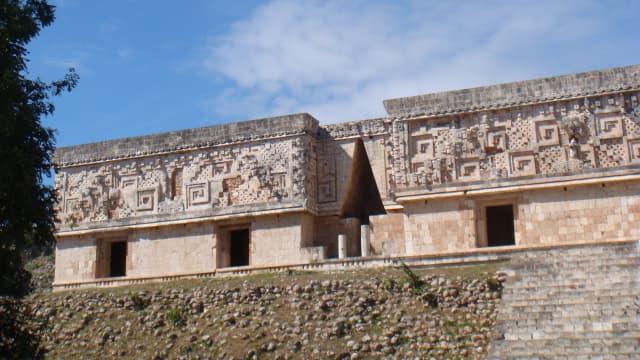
<point>369,314</point>
<point>518,93</point>
<point>582,302</point>
<point>181,140</point>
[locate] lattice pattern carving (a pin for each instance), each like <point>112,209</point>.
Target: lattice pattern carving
<point>545,139</point>
<point>549,160</point>
<point>520,134</point>
<point>611,153</point>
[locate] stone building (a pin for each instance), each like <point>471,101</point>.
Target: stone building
<point>525,164</point>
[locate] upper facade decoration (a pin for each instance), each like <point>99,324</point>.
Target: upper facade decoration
<point>548,128</point>
<point>548,139</point>
<point>191,174</point>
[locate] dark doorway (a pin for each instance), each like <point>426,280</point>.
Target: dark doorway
<point>500,231</point>
<point>239,249</point>
<point>118,261</point>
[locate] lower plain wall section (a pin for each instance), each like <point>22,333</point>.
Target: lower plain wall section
<point>283,239</point>
<point>593,213</point>
<point>437,226</point>
<point>75,259</point>
<point>553,216</point>
<point>188,248</point>
<point>387,234</point>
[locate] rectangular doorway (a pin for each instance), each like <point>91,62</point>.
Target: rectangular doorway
<point>118,259</point>
<point>239,247</point>
<point>500,229</point>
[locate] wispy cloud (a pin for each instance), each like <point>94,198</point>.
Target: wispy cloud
<point>110,25</point>
<point>64,3</point>
<point>125,54</point>
<point>77,60</point>
<point>339,60</point>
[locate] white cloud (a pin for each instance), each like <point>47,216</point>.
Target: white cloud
<point>338,60</point>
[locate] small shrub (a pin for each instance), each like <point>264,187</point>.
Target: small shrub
<point>139,303</point>
<point>175,317</point>
<point>402,340</point>
<point>389,284</point>
<point>290,272</point>
<point>414,280</point>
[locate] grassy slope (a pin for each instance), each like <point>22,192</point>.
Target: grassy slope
<point>373,313</point>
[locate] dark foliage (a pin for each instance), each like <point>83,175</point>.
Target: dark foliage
<point>19,334</point>
<point>27,206</point>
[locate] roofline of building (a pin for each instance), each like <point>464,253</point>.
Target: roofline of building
<point>517,93</point>
<point>483,98</point>
<point>140,146</point>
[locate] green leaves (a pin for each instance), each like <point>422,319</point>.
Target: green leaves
<point>67,84</point>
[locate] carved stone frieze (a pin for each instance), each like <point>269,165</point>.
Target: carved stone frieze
<point>549,139</point>
<point>468,169</point>
<point>634,150</point>
<point>522,164</point>
<point>245,174</point>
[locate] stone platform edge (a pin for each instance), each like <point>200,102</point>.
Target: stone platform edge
<point>457,258</point>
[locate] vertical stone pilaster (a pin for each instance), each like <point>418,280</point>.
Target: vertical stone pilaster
<point>364,240</point>
<point>342,246</point>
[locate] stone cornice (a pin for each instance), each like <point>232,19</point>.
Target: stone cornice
<point>189,139</point>
<point>488,188</point>
<point>160,221</point>
<point>516,93</point>
<point>368,127</point>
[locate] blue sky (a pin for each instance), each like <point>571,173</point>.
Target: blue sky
<point>154,66</point>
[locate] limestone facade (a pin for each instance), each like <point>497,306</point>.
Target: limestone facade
<point>557,159</point>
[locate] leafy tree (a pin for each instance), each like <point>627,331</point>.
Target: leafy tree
<point>27,205</point>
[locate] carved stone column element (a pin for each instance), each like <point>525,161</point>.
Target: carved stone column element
<point>342,246</point>
<point>399,152</point>
<point>364,240</point>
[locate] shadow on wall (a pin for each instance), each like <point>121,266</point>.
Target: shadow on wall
<point>356,197</point>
